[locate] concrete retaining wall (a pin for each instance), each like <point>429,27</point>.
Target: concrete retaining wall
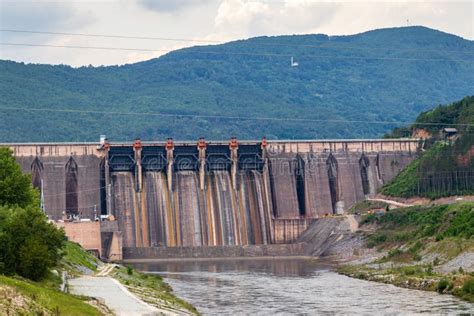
<point>131,253</point>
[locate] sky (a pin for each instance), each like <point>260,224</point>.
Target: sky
<point>197,22</point>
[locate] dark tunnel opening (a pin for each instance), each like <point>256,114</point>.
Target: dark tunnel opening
<point>364,173</point>
<point>300,186</point>
<point>37,173</point>
<point>71,187</point>
<point>332,168</point>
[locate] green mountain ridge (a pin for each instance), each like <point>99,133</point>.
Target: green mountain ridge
<point>381,75</point>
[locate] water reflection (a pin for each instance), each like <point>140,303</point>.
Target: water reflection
<point>287,267</point>
<point>296,286</point>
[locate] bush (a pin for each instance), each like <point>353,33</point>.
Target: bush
<point>129,270</point>
<point>468,287</point>
<point>442,285</point>
<point>429,270</point>
<point>394,252</point>
<point>29,244</point>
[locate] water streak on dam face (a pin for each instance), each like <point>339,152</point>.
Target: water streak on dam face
<point>212,197</point>
<point>188,216</point>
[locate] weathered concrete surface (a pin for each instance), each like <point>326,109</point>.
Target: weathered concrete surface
<point>330,236</point>
<point>306,180</point>
<point>53,159</point>
<point>341,145</point>
<point>213,252</point>
<point>286,231</point>
<point>86,234</point>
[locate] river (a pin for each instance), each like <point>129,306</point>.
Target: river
<point>292,286</point>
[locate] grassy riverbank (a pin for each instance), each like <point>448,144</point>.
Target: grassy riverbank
<point>20,296</point>
<point>152,289</point>
<point>421,247</point>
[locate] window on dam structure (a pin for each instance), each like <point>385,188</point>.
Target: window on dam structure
<point>36,173</point>
<point>299,173</point>
<point>331,164</point>
<point>364,174</point>
<point>71,187</point>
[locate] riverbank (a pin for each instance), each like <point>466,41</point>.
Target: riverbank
<point>129,291</point>
<point>421,247</point>
<point>83,285</point>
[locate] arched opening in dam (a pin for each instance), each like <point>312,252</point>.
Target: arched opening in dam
<point>71,187</point>
<point>333,178</point>
<point>364,165</point>
<point>300,185</point>
<point>37,173</point>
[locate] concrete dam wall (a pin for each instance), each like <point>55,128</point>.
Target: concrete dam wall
<point>166,194</point>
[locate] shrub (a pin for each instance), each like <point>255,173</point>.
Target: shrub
<point>29,244</point>
<point>129,270</point>
<point>468,287</point>
<point>429,270</point>
<point>394,252</point>
<point>442,285</point>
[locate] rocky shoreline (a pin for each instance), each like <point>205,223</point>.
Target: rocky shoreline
<point>433,269</point>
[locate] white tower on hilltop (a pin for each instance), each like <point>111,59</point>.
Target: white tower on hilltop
<point>294,63</point>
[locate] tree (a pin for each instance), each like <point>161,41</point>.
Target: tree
<point>15,187</point>
<point>29,244</point>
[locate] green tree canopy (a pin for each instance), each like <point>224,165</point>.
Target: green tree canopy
<point>15,187</point>
<point>29,244</point>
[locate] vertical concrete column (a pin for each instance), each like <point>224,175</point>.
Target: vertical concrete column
<point>108,184</point>
<point>169,158</point>
<point>233,146</point>
<point>137,148</point>
<point>141,231</point>
<point>202,161</point>
<point>266,187</point>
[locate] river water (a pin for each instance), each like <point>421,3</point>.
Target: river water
<point>292,286</point>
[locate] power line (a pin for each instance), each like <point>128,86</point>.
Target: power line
<point>322,45</point>
<point>115,36</point>
<point>226,117</point>
<point>181,51</point>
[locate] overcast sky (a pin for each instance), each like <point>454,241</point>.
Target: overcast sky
<point>213,20</point>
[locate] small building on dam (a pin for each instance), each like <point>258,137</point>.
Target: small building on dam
<point>163,195</point>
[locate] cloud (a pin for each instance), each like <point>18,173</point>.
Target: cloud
<point>171,6</point>
<point>241,18</point>
<point>248,18</point>
<point>41,15</point>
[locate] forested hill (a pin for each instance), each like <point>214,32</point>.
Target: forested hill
<point>446,167</point>
<point>387,74</point>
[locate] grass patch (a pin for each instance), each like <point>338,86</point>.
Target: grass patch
<point>441,221</point>
<point>55,302</point>
<point>75,257</point>
<point>151,288</point>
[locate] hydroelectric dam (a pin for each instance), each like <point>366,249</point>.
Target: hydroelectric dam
<point>172,198</point>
